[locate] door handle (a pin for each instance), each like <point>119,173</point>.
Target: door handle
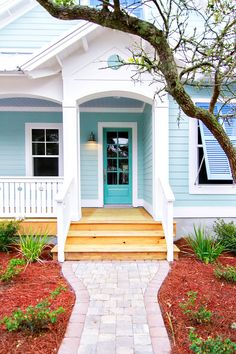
<point>104,175</point>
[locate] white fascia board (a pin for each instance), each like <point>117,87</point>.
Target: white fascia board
<point>59,45</point>
<point>8,8</point>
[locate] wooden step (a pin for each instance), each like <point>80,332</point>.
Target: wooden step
<point>115,252</point>
<point>116,226</point>
<point>115,240</point>
<point>115,233</point>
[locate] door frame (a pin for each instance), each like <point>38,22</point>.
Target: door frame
<point>133,126</point>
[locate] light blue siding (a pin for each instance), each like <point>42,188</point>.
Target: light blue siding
<point>33,30</point>
<point>179,162</point>
<point>12,138</point>
<point>89,154</point>
<point>147,154</point>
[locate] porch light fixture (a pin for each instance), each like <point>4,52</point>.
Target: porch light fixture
<point>91,138</point>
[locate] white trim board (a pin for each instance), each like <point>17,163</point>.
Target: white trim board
<point>133,126</point>
<point>28,144</point>
<point>204,212</point>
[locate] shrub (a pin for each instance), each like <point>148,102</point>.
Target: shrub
<point>226,234</point>
<point>205,248</point>
<point>35,318</point>
<point>8,232</point>
<point>14,267</point>
<point>198,314</point>
<point>211,345</point>
<point>32,245</point>
<point>227,273</point>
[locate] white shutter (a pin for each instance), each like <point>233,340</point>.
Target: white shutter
<point>217,164</point>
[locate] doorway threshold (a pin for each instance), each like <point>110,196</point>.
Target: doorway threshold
<point>113,206</point>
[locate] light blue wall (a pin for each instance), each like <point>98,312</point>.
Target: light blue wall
<point>33,30</point>
<point>89,163</point>
<point>179,161</point>
<point>147,154</point>
<point>12,138</point>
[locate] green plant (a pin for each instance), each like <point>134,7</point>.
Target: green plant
<point>196,313</point>
<point>211,345</point>
<point>32,245</point>
<point>8,232</point>
<point>205,248</point>
<point>226,234</point>
<point>227,273</point>
<point>14,267</point>
<point>35,318</point>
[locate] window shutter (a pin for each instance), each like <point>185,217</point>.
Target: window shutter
<point>217,164</point>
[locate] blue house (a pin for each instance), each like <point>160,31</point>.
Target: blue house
<point>79,136</point>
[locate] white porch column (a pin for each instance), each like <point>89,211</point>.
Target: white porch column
<point>160,148</point>
<point>71,155</point>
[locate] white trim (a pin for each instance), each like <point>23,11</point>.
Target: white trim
<point>205,212</point>
<point>149,208</point>
<point>28,144</point>
<point>90,203</point>
<point>195,188</point>
<point>30,109</point>
<point>133,126</point>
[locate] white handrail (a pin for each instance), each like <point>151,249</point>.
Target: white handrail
<point>64,215</point>
<point>166,200</point>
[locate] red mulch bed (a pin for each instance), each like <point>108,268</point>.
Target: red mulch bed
<point>28,288</point>
<point>188,274</point>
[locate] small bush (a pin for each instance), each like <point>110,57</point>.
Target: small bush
<point>197,314</point>
<point>205,248</point>
<point>226,234</point>
<point>211,345</point>
<point>8,232</point>
<point>35,318</point>
<point>227,273</point>
<point>14,267</point>
<point>32,245</point>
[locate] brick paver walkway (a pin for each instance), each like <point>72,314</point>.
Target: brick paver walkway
<point>116,309</point>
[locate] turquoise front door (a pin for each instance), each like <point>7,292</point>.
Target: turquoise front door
<point>117,157</point>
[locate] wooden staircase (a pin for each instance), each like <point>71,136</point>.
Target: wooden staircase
<point>115,240</point>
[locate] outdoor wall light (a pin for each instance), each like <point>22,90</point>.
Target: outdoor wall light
<point>91,138</point>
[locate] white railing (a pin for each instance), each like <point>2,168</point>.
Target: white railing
<point>28,196</point>
<point>166,209</point>
<point>64,201</point>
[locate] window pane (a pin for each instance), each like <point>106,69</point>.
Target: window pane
<point>52,135</point>
<point>52,149</point>
<point>123,151</point>
<point>123,165</point>
<point>111,151</point>
<point>45,166</point>
<point>38,148</point>
<point>123,138</point>
<point>123,178</point>
<point>111,165</point>
<point>112,178</point>
<point>111,137</point>
<point>38,135</point>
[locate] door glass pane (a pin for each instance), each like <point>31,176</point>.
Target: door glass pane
<point>112,178</point>
<point>111,165</point>
<point>52,135</point>
<point>123,138</point>
<point>123,178</point>
<point>38,148</point>
<point>45,166</point>
<point>52,149</point>
<point>111,137</point>
<point>123,165</point>
<point>123,151</point>
<point>38,135</point>
<point>111,151</point>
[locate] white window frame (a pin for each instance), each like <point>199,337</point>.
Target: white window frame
<point>194,187</point>
<point>28,145</point>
